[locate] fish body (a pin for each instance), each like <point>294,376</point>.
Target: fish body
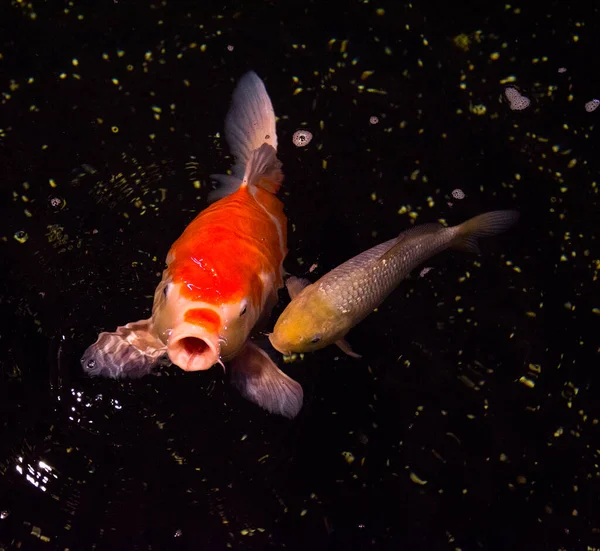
<point>322,313</point>
<point>222,274</point>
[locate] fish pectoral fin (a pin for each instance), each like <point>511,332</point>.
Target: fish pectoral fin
<point>295,285</point>
<point>132,351</point>
<point>260,381</point>
<point>345,347</point>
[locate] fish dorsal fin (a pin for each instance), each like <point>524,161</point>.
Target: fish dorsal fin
<point>264,169</point>
<point>295,285</point>
<point>417,231</point>
<point>250,121</point>
<point>249,124</point>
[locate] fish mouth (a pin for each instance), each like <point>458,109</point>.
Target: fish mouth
<point>277,346</point>
<point>192,349</point>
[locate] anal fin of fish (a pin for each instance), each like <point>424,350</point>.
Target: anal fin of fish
<point>132,351</point>
<point>295,285</point>
<point>260,381</point>
<point>345,347</point>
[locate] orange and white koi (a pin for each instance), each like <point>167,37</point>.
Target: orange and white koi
<point>222,274</point>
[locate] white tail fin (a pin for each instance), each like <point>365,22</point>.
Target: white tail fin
<point>249,124</point>
<point>484,225</point>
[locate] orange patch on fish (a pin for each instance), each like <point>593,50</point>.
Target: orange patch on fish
<point>208,319</point>
<point>244,242</point>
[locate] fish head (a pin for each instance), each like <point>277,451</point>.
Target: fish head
<point>198,328</point>
<point>307,324</point>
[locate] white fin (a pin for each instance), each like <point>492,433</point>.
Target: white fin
<point>249,124</point>
<point>484,225</point>
<point>264,169</point>
<point>344,345</point>
<point>423,229</point>
<point>132,351</point>
<point>295,285</point>
<point>259,380</point>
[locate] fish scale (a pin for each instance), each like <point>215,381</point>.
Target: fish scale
<point>359,285</point>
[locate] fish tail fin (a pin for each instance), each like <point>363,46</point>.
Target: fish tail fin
<point>484,225</point>
<point>249,127</point>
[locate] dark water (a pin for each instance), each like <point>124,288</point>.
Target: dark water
<point>471,422</point>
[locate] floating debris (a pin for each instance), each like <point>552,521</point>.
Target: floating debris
<point>425,271</point>
<point>592,105</point>
<point>301,138</point>
<point>373,120</point>
<point>516,101</point>
<point>21,236</point>
<point>458,194</point>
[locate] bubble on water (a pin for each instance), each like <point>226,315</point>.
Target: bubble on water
<point>458,194</point>
<point>230,47</point>
<point>562,70</point>
<point>373,120</point>
<point>178,534</point>
<point>4,514</point>
<point>301,138</point>
<point>592,105</point>
<point>56,202</point>
<point>517,102</point>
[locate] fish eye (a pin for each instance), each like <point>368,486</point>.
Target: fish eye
<point>244,309</point>
<point>90,364</point>
<point>316,339</point>
<point>166,289</point>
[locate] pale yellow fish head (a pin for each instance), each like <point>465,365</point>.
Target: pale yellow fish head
<point>308,323</point>
<point>198,332</point>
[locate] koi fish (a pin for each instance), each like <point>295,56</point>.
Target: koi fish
<point>321,313</point>
<point>222,274</point>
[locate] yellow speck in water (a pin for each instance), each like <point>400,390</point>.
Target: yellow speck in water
<point>366,74</point>
<point>114,129</point>
<point>414,478</point>
<point>21,236</point>
<point>75,62</point>
<point>52,182</point>
<point>348,456</point>
<point>462,42</point>
<point>572,163</point>
<point>494,56</point>
<point>380,11</point>
<point>115,81</point>
<point>527,382</point>
<point>373,196</point>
